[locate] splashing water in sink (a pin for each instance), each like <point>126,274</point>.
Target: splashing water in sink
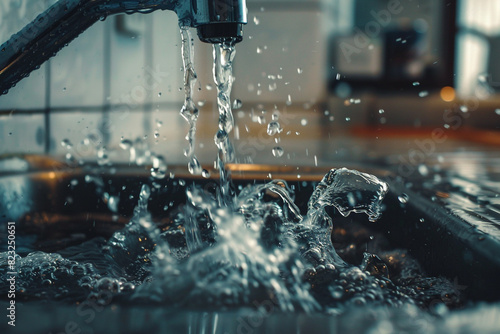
<point>223,248</point>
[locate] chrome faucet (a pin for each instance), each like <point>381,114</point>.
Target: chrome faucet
<point>215,20</point>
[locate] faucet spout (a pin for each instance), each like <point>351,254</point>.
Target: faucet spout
<point>216,21</point>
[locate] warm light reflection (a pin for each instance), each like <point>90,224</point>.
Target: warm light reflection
<point>447,94</point>
<point>52,175</point>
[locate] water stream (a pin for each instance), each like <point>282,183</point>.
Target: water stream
<point>189,111</point>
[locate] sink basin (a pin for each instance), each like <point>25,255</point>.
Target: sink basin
<point>56,206</point>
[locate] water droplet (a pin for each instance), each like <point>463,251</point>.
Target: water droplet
<point>159,94</point>
<point>205,173</point>
<point>66,144</point>
<point>273,128</point>
<point>289,100</point>
<point>278,151</point>
<point>303,122</point>
<point>403,198</point>
<point>497,111</point>
<point>156,134</point>
<point>381,111</point>
<point>209,87</point>
<point>194,167</point>
<point>300,70</point>
<point>464,109</point>
<point>159,123</point>
<point>237,104</point>
<point>159,168</point>
<point>126,144</point>
<point>256,20</point>
<point>423,170</point>
<point>259,50</point>
<point>423,93</point>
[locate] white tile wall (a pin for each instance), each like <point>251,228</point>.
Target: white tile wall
<point>128,61</point>
<point>22,133</point>
<point>77,71</point>
<point>75,126</point>
<point>288,42</point>
<point>167,61</point>
<point>28,94</point>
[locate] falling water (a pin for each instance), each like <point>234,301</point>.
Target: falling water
<point>189,110</point>
<point>223,76</point>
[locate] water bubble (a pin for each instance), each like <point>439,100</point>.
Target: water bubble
<point>273,128</point>
<point>381,111</point>
<point>416,83</point>
<point>209,87</point>
<point>256,20</point>
<point>403,198</point>
<point>261,119</point>
<point>303,122</point>
<point>159,123</point>
<point>159,94</point>
<point>300,70</point>
<point>423,93</point>
<point>337,292</point>
<point>278,151</point>
<point>156,134</point>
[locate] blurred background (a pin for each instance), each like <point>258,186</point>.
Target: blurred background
<point>346,79</point>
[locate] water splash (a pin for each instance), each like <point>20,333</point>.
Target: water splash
<point>189,110</point>
<point>258,252</point>
<point>349,191</point>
